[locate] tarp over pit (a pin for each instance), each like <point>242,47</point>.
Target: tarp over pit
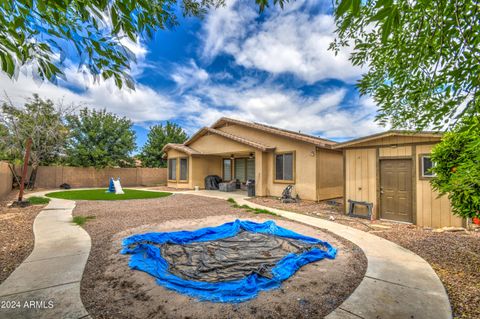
<point>228,263</point>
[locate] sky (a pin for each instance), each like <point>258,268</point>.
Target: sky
<point>273,68</point>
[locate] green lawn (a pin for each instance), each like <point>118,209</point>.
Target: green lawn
<point>36,200</point>
<point>101,194</point>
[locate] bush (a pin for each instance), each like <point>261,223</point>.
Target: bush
<point>457,166</point>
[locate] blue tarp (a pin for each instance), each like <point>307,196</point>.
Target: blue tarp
<point>147,257</point>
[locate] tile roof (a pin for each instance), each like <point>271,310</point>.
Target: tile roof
<point>320,142</point>
<point>182,148</point>
<point>387,134</point>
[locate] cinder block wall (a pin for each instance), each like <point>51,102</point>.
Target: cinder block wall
<point>54,176</point>
<point>6,179</point>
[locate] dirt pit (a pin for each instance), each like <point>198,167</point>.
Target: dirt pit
<point>113,290</point>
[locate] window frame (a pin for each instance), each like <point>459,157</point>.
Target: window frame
<point>422,176</point>
<point>179,159</point>
<point>294,160</point>
<point>176,169</point>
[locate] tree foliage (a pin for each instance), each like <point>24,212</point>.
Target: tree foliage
<point>421,57</point>
<point>91,32</point>
<point>158,137</point>
<point>100,139</point>
<point>457,166</point>
<point>40,120</point>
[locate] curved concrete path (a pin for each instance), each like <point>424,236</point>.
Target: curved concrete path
<point>47,283</point>
<point>397,284</point>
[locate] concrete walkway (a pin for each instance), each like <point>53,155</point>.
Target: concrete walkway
<point>47,283</point>
<point>397,284</point>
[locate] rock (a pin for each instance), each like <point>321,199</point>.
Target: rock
<point>448,229</point>
<point>331,217</point>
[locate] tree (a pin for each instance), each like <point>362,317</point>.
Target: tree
<point>457,167</point>
<point>100,139</point>
<point>158,137</point>
<point>3,142</point>
<point>37,32</point>
<point>40,120</point>
<point>422,58</point>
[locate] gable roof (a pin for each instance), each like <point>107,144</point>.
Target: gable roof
<point>369,138</point>
<point>229,136</point>
<point>317,141</point>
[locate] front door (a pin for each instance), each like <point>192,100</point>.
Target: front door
<point>396,190</point>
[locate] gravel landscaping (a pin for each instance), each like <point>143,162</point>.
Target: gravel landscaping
<point>455,256</point>
<point>110,289</point>
<point>16,234</point>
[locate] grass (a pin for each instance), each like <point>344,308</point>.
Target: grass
<point>250,209</point>
<point>80,220</point>
<point>101,194</point>
<point>37,200</point>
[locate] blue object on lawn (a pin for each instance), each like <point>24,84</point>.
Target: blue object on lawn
<point>111,187</point>
<point>147,257</point>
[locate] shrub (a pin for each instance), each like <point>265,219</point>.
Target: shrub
<point>457,166</point>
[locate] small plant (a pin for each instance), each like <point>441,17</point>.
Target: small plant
<point>81,220</point>
<point>250,209</point>
<point>37,200</point>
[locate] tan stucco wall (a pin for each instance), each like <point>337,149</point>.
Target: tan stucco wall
<point>305,163</point>
<point>54,176</point>
<point>6,179</point>
<point>215,144</point>
<point>329,174</point>
<point>361,181</point>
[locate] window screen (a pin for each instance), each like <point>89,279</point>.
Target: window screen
<point>284,167</point>
<point>227,169</point>
<point>240,169</point>
<point>183,169</point>
<point>172,169</point>
<point>427,165</point>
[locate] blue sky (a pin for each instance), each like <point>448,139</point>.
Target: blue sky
<point>273,68</point>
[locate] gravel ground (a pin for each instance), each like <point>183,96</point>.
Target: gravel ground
<point>455,256</point>
<point>110,289</point>
<point>16,234</point>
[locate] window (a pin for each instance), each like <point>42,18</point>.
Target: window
<point>251,168</point>
<point>240,169</point>
<point>426,166</point>
<point>184,169</point>
<point>284,167</point>
<point>172,169</point>
<point>227,169</point>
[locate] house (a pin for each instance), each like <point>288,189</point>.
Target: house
<point>391,170</point>
<point>273,157</point>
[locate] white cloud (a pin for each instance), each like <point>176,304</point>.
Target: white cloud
<point>142,104</point>
<point>186,76</point>
<point>288,41</point>
<point>327,114</point>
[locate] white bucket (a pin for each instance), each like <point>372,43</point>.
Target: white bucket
<point>197,188</point>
